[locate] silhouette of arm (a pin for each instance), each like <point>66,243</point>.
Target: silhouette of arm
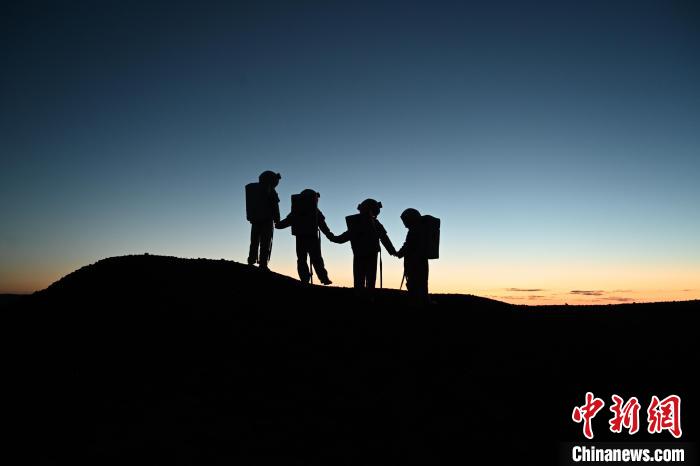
<point>387,244</point>
<point>384,238</point>
<point>401,252</point>
<point>324,227</point>
<point>343,237</point>
<point>275,207</point>
<point>409,246</point>
<point>284,223</point>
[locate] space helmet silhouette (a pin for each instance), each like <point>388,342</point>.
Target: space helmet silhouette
<point>410,217</point>
<point>305,206</point>
<point>269,178</point>
<point>370,206</point>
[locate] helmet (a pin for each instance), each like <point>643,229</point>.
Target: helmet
<point>310,193</point>
<point>370,205</point>
<point>410,217</point>
<point>270,178</point>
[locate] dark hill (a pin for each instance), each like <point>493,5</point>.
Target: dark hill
<point>163,360</point>
<point>171,278</point>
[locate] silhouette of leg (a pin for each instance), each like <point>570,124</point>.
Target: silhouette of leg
<point>302,252</point>
<point>365,270</point>
<point>266,231</point>
<point>358,271</point>
<point>317,260</point>
<point>371,270</point>
<point>254,243</point>
<point>417,278</point>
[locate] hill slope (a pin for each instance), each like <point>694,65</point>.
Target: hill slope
<point>160,277</point>
<point>169,360</point>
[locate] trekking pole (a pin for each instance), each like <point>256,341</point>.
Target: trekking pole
<point>381,270</point>
<point>311,269</point>
<point>402,279</point>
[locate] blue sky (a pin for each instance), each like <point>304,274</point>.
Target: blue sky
<point>556,138</point>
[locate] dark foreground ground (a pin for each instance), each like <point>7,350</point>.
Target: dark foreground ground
<point>162,360</point>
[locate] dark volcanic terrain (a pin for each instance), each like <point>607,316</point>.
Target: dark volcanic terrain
<point>161,360</point>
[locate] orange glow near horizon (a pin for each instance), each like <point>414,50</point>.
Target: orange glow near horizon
<point>516,283</point>
<point>580,283</point>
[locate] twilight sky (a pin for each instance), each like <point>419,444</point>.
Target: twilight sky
<point>559,142</point>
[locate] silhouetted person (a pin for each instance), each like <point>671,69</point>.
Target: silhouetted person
<point>262,211</point>
<point>365,233</point>
<point>306,219</point>
<point>415,254</point>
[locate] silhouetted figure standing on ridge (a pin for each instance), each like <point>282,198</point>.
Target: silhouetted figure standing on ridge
<point>364,233</point>
<point>306,219</point>
<point>262,211</point>
<point>415,254</point>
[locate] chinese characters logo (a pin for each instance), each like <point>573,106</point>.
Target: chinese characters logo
<point>662,415</point>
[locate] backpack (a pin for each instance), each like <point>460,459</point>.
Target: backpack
<point>357,224</point>
<point>256,208</point>
<point>432,236</point>
<point>305,212</point>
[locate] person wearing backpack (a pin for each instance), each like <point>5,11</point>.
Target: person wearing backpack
<point>365,233</point>
<point>422,243</point>
<point>306,220</point>
<point>262,211</point>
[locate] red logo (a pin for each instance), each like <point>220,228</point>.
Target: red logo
<point>661,415</point>
<point>665,415</point>
<point>625,415</point>
<point>587,412</point>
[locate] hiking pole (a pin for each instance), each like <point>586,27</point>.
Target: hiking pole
<point>381,270</point>
<point>311,270</point>
<point>402,279</point>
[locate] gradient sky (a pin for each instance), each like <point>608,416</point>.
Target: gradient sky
<point>557,141</point>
